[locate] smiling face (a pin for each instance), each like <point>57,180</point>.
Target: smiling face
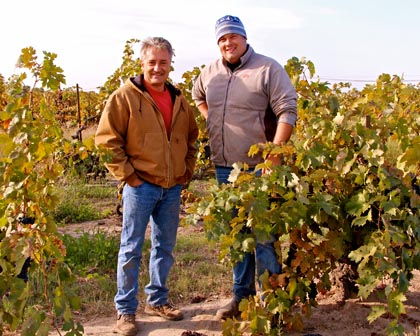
<point>232,47</point>
<point>156,65</point>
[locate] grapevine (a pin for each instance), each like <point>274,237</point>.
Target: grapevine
<point>32,152</point>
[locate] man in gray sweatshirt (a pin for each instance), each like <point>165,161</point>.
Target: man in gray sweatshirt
<point>246,98</point>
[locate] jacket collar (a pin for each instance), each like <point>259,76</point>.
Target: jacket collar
<point>244,58</point>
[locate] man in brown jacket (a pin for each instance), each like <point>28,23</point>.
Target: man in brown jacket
<point>151,130</point>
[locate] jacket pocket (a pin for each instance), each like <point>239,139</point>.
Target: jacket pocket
<point>179,149</point>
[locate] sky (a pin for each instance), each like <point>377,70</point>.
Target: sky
<point>351,41</point>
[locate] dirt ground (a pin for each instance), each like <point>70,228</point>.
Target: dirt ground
<point>330,318</point>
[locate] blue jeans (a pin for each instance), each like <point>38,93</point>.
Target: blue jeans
<point>140,204</point>
<point>264,258</point>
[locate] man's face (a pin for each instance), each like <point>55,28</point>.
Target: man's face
<point>232,47</point>
<point>156,65</point>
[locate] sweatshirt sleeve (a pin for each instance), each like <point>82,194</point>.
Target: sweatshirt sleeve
<point>111,133</point>
<point>198,91</point>
<point>282,95</point>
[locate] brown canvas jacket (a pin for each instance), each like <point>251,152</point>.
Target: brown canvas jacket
<point>133,128</point>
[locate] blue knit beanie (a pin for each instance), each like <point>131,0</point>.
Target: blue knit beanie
<point>229,25</point>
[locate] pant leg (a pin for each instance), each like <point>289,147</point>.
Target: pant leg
<point>164,224</point>
<point>138,204</point>
<point>244,277</point>
<point>243,271</point>
<point>267,259</point>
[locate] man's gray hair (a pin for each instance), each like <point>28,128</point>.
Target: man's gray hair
<point>155,42</point>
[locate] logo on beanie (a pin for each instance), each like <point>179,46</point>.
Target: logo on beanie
<point>229,24</point>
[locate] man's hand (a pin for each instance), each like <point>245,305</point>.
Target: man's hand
<point>275,161</point>
<point>134,181</point>
<point>283,133</point>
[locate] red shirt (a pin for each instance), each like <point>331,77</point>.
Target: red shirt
<point>163,101</point>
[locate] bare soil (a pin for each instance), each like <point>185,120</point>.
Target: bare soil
<point>332,317</point>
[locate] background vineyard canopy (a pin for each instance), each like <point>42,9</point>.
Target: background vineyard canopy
<point>346,194</point>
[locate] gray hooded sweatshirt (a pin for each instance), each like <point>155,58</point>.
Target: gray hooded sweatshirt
<point>240,104</point>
